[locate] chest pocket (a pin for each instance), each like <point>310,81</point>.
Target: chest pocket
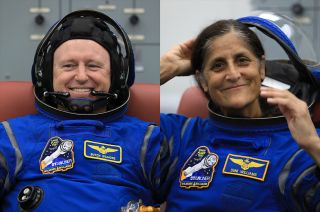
<point>242,145</point>
<point>79,127</point>
<point>96,148</point>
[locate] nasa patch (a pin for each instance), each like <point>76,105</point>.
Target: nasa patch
<point>198,170</point>
<point>57,156</point>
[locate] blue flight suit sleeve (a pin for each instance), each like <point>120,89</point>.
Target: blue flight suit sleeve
<point>299,182</point>
<point>150,159</point>
<point>159,154</point>
<point>173,128</point>
<point>10,158</point>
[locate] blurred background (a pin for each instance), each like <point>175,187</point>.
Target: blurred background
<point>153,26</point>
<point>181,20</point>
<point>23,23</point>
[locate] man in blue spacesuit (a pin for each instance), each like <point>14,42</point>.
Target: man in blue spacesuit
<point>80,152</point>
<point>258,150</point>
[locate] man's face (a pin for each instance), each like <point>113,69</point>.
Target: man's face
<point>80,66</point>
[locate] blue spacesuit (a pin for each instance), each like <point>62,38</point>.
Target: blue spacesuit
<point>80,154</point>
<point>108,162</point>
<point>244,164</point>
<point>256,166</point>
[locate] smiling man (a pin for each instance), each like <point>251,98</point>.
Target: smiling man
<point>86,63</point>
<point>80,152</point>
<point>81,66</point>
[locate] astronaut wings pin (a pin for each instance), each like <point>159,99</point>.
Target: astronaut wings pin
<point>103,151</point>
<point>198,170</point>
<point>245,166</point>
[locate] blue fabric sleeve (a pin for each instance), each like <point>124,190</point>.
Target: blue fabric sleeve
<point>150,159</point>
<point>7,162</point>
<point>172,128</point>
<point>302,190</point>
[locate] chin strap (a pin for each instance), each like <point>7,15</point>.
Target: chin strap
<point>81,105</point>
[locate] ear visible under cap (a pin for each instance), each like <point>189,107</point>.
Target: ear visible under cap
<point>262,67</point>
<point>201,81</point>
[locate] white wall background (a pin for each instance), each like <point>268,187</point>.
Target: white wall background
<point>181,20</point>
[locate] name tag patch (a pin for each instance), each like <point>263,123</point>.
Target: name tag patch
<point>57,156</point>
<point>102,151</point>
<point>198,170</point>
<point>245,166</point>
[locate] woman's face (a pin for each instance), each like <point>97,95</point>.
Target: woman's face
<point>232,76</point>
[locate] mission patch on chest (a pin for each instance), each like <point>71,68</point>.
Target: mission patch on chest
<point>198,170</point>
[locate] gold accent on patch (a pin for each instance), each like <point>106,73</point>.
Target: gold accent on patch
<point>198,171</point>
<point>246,166</point>
<point>102,151</point>
<point>57,156</point>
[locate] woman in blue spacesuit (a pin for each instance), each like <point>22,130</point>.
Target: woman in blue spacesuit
<point>259,149</point>
<point>80,152</point>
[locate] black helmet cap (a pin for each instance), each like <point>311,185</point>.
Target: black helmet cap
<point>96,26</point>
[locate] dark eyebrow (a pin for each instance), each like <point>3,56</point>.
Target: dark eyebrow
<point>241,54</point>
<point>218,59</point>
<point>222,59</point>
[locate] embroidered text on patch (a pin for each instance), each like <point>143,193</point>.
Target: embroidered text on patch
<point>246,167</point>
<point>198,170</point>
<point>57,156</point>
<point>102,151</point>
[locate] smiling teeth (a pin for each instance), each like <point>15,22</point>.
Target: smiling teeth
<point>81,89</point>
